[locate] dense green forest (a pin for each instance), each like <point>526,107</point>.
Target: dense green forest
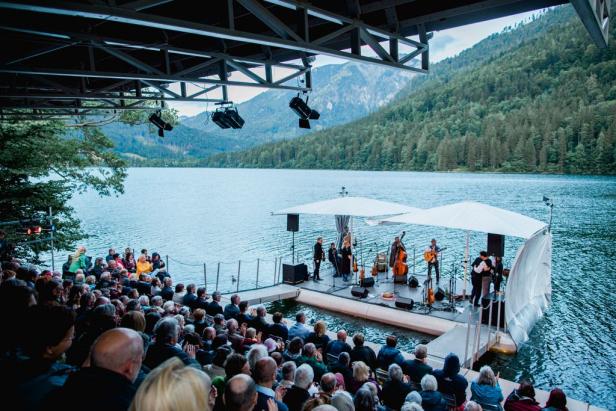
<point>546,105</point>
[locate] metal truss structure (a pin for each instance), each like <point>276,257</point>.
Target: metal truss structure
<point>87,56</point>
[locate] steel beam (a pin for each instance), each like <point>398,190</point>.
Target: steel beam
<point>56,96</point>
<point>595,15</point>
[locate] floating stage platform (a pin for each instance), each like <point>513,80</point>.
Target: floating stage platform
<point>450,328</point>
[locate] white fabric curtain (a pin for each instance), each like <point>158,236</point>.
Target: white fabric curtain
<point>529,287</point>
<point>342,227</point>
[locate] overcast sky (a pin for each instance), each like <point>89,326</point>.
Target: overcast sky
<point>446,43</point>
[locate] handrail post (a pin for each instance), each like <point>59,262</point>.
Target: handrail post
<point>275,269</point>
<point>498,317</point>
<point>239,266</point>
<point>490,321</point>
<point>414,259</point>
<point>217,275</point>
<point>205,277</point>
<point>166,262</point>
<point>257,283</point>
<point>468,337</point>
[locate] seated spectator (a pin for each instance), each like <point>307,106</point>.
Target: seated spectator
<point>129,262</point>
<point>418,366</point>
<point>190,297</point>
<point>235,364</point>
<point>166,333</point>
<point>220,324</point>
<point>151,319</point>
<point>265,376</point>
<point>107,383</point>
<point>485,389</point>
<point>255,353</point>
<point>157,263</point>
<point>99,267</point>
<point>174,386</point>
<point>557,401</point>
<point>431,399</point>
<point>167,290</point>
<point>327,387</point>
<point>135,320</point>
<point>143,265</point>
<point>240,394</point>
<point>343,401</point>
<point>214,306</point>
<point>201,301</point>
<point>233,334</point>
<point>32,378</point>
<point>287,374</point>
<point>299,329</point>
<point>335,347</point>
<point>199,321</point>
<point>298,394</point>
<point>449,380</point>
<point>343,367</point>
<point>232,310</point>
<point>395,389</point>
<point>278,328</point>
<point>249,339</point>
<point>312,357</point>
<point>364,401</point>
<point>259,322</point>
<point>361,375</point>
<point>294,350</point>
<point>472,406</point>
<point>217,367</point>
<point>522,398</point>
<point>103,318</point>
<point>156,287</point>
<point>413,397</point>
<point>178,295</point>
<point>318,337</point>
<point>79,261</point>
<point>244,317</point>
<point>389,354</point>
<point>361,352</point>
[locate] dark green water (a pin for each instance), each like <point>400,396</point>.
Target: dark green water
<point>211,215</point>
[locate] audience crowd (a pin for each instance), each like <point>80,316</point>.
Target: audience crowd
<point>119,334</point>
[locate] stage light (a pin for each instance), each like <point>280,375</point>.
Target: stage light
<point>228,117</point>
<point>303,110</point>
<point>161,124</point>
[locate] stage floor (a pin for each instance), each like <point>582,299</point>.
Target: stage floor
<point>384,283</point>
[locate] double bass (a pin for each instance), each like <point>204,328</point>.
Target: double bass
<point>400,267</point>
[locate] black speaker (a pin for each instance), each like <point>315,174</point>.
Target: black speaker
<point>496,245</point>
<point>400,279</point>
<point>413,282</point>
<point>439,295</point>
<point>360,292</point>
<point>293,222</point>
<point>498,302</point>
<point>367,282</point>
<point>294,274</point>
<point>406,303</point>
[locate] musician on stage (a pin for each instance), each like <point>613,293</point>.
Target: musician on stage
<point>334,258</point>
<point>347,255</point>
<point>393,252</point>
<point>481,267</point>
<point>318,256</point>
<point>433,249</point>
<point>497,273</point>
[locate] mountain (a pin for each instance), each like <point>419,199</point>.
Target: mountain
<point>537,97</point>
<point>342,93</point>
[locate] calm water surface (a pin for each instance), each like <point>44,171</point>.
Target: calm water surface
<point>198,216</point>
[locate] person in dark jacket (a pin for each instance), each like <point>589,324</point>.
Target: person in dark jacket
<point>157,263</point>
<point>334,258</point>
<point>232,310</point>
<point>337,346</point>
<point>522,398</point>
<point>319,336</point>
<point>190,298</point>
<point>431,399</point>
<point>214,306</point>
<point>259,322</point>
<point>395,389</point>
<point>298,394</point>
<point>278,329</point>
<point>317,258</point>
<point>557,401</point>
<point>107,383</point>
<point>167,291</point>
<point>362,353</point>
<point>389,354</point>
<point>244,317</point>
<point>450,382</point>
<point>343,367</point>
<point>166,333</point>
<point>417,367</point>
<point>265,376</point>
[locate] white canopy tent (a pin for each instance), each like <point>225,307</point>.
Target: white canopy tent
<point>529,281</point>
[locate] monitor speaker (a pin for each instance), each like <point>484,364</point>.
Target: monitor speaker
<point>406,303</point>
<point>367,282</point>
<point>439,295</point>
<point>361,292</point>
<point>293,222</point>
<point>413,282</point>
<point>496,245</point>
<point>400,279</point>
<point>294,274</point>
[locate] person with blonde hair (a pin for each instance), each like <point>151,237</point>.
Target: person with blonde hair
<point>79,261</point>
<point>485,389</point>
<point>361,375</point>
<point>175,386</point>
<point>319,336</point>
<point>143,265</point>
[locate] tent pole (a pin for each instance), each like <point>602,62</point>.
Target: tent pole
<point>466,251</point>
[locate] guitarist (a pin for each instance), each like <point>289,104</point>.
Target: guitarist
<point>433,251</point>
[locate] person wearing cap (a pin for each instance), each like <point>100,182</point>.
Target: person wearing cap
<point>418,366</point>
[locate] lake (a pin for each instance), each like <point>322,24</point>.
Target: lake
<point>206,216</point>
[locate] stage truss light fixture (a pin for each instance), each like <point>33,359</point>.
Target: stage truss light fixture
<point>161,124</point>
<point>228,117</point>
<point>303,110</point>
